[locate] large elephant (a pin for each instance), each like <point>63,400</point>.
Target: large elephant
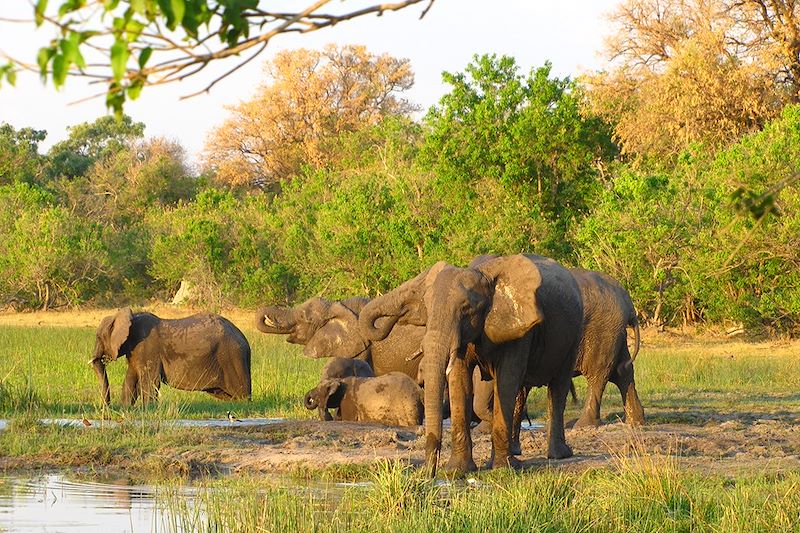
<point>519,318</point>
<point>203,352</point>
<point>328,328</point>
<point>603,353</point>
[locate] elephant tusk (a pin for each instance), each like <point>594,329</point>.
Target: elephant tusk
<point>414,355</point>
<point>268,321</point>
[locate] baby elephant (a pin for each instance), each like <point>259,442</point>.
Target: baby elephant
<point>393,399</point>
<point>337,367</point>
<point>203,352</point>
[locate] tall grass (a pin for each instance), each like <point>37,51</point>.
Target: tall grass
<point>641,494</point>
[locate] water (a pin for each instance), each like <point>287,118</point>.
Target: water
<point>199,422</point>
<point>51,502</point>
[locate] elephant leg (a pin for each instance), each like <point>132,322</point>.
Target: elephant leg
<point>520,410</point>
<point>149,382</point>
<point>594,394</point>
<point>509,373</point>
<point>130,387</point>
<point>483,397</point>
<point>460,384</point>
<point>623,379</point>
<point>557,391</point>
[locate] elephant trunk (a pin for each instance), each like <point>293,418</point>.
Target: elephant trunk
<point>100,370</point>
<point>310,400</point>
<point>379,316</point>
<point>437,350</point>
<point>275,320</point>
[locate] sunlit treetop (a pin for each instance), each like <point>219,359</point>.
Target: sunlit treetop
<point>126,45</point>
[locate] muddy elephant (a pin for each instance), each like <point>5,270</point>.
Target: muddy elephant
<point>603,353</point>
<point>338,367</point>
<point>393,399</point>
<point>203,352</point>
<point>328,328</point>
<point>523,317</point>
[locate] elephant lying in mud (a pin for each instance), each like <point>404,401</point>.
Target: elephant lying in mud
<point>203,352</point>
<point>337,368</point>
<point>328,328</point>
<point>393,399</point>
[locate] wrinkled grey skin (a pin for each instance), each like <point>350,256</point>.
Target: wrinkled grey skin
<point>519,318</point>
<point>393,399</point>
<point>203,352</point>
<point>328,328</point>
<point>603,354</point>
<point>338,367</point>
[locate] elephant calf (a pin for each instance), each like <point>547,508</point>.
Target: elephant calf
<point>393,399</point>
<point>203,352</point>
<point>337,368</point>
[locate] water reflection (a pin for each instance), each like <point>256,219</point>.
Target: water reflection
<point>52,503</point>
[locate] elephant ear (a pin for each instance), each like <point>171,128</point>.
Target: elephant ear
<point>120,328</point>
<point>332,393</point>
<point>514,309</point>
<point>338,336</point>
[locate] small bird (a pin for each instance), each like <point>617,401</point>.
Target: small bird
<point>86,422</point>
<point>232,417</point>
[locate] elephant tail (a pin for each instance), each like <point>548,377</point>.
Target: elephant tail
<point>634,323</point>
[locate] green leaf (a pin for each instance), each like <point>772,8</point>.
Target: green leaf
<point>139,6</point>
<point>135,88</point>
<point>119,59</point>
<point>144,56</point>
<point>43,58</point>
<point>115,99</point>
<point>178,10</point>
<point>60,69</point>
<point>166,8</point>
<point>11,75</point>
<point>41,6</point>
<point>133,28</point>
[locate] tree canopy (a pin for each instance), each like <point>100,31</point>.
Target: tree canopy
<point>308,98</point>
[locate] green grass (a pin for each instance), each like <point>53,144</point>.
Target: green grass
<point>45,369</point>
<point>641,494</point>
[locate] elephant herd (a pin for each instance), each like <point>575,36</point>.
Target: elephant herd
<point>465,342</point>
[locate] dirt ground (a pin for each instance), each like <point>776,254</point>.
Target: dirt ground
<point>726,444</point>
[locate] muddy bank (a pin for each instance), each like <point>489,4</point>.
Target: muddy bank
<point>725,443</point>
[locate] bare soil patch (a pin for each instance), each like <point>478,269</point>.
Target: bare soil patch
<point>727,445</point>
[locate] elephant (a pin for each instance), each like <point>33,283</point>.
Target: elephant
<point>392,399</point>
<point>328,328</point>
<point>338,367</point>
<point>603,353</point>
<point>203,352</point>
<point>518,318</point>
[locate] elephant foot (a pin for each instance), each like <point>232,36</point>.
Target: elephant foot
<point>587,422</point>
<point>559,450</point>
<point>485,427</point>
<point>461,464</point>
<point>509,462</point>
<point>635,418</point>
<point>515,448</point>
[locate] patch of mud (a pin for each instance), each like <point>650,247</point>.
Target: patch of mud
<point>746,444</point>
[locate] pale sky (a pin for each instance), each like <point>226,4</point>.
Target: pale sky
<point>568,33</point>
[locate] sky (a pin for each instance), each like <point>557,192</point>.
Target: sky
<point>568,33</point>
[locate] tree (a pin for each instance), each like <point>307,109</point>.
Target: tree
<point>309,98</point>
<point>136,43</point>
<point>91,142</point>
<point>525,132</point>
<point>697,71</point>
<point>19,154</point>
